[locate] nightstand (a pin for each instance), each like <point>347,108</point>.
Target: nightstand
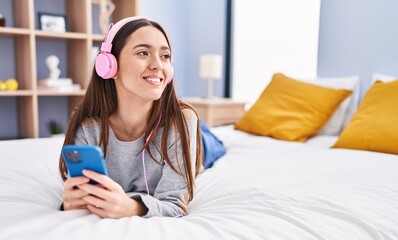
<point>217,111</point>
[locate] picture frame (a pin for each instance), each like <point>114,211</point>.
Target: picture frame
<point>2,21</point>
<point>52,22</point>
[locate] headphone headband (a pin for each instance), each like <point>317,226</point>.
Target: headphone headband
<point>106,46</point>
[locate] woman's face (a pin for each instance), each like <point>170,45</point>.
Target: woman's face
<point>144,65</point>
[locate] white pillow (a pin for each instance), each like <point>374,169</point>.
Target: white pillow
<point>382,77</point>
<point>346,109</point>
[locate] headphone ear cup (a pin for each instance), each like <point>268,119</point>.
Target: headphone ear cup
<point>171,75</point>
<point>106,65</point>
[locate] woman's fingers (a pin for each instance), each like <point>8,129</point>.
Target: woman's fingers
<point>103,180</point>
<point>98,211</point>
<point>96,190</point>
<point>107,198</point>
<point>72,195</point>
<point>95,201</point>
<point>76,204</point>
<point>74,199</point>
<point>70,183</point>
<point>107,209</point>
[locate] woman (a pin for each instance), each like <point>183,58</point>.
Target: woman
<point>151,140</point>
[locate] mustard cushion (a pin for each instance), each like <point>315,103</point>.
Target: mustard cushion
<point>374,127</point>
<point>291,110</point>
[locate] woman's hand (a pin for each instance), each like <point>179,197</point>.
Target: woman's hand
<point>108,199</point>
<point>73,196</point>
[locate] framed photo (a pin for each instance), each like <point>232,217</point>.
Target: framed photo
<point>51,22</point>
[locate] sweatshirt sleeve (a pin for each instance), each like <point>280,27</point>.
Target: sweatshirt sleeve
<point>88,132</point>
<point>170,196</point>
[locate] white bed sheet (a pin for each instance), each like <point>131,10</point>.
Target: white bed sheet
<point>261,189</point>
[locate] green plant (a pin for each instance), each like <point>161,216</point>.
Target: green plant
<point>54,127</point>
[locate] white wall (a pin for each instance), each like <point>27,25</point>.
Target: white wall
<point>358,38</point>
<point>195,28</point>
<point>272,36</point>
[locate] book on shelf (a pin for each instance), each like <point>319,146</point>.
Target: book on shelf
<point>61,85</point>
<point>72,88</point>
<point>55,82</point>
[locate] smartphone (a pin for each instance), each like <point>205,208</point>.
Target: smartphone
<point>89,157</point>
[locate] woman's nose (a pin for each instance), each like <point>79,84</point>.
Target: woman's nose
<point>155,63</point>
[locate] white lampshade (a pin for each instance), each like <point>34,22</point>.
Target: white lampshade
<point>210,66</point>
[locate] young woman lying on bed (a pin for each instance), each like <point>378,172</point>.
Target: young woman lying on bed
<point>151,140</point>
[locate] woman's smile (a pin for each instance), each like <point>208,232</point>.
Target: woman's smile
<point>153,80</point>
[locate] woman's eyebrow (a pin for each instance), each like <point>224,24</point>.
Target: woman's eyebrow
<point>150,46</point>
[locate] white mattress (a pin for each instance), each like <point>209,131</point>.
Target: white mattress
<point>261,189</point>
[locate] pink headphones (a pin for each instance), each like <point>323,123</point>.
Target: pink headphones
<point>105,62</point>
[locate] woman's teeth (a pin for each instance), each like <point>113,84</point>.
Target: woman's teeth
<point>155,80</point>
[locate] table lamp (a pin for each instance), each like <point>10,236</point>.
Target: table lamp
<point>210,68</point>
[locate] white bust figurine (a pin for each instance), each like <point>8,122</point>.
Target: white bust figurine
<point>106,8</point>
<point>52,62</point>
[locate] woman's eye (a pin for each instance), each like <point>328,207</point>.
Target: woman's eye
<point>143,53</point>
<point>166,56</point>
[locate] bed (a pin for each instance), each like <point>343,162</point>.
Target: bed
<point>262,188</point>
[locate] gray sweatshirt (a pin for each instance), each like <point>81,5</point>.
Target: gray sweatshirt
<point>167,189</point>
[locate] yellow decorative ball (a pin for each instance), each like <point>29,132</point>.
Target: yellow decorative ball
<point>3,86</point>
<point>12,84</point>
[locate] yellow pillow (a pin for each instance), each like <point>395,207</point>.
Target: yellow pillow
<point>291,110</point>
<point>374,126</point>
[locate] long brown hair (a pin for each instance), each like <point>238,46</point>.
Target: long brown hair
<point>100,101</point>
